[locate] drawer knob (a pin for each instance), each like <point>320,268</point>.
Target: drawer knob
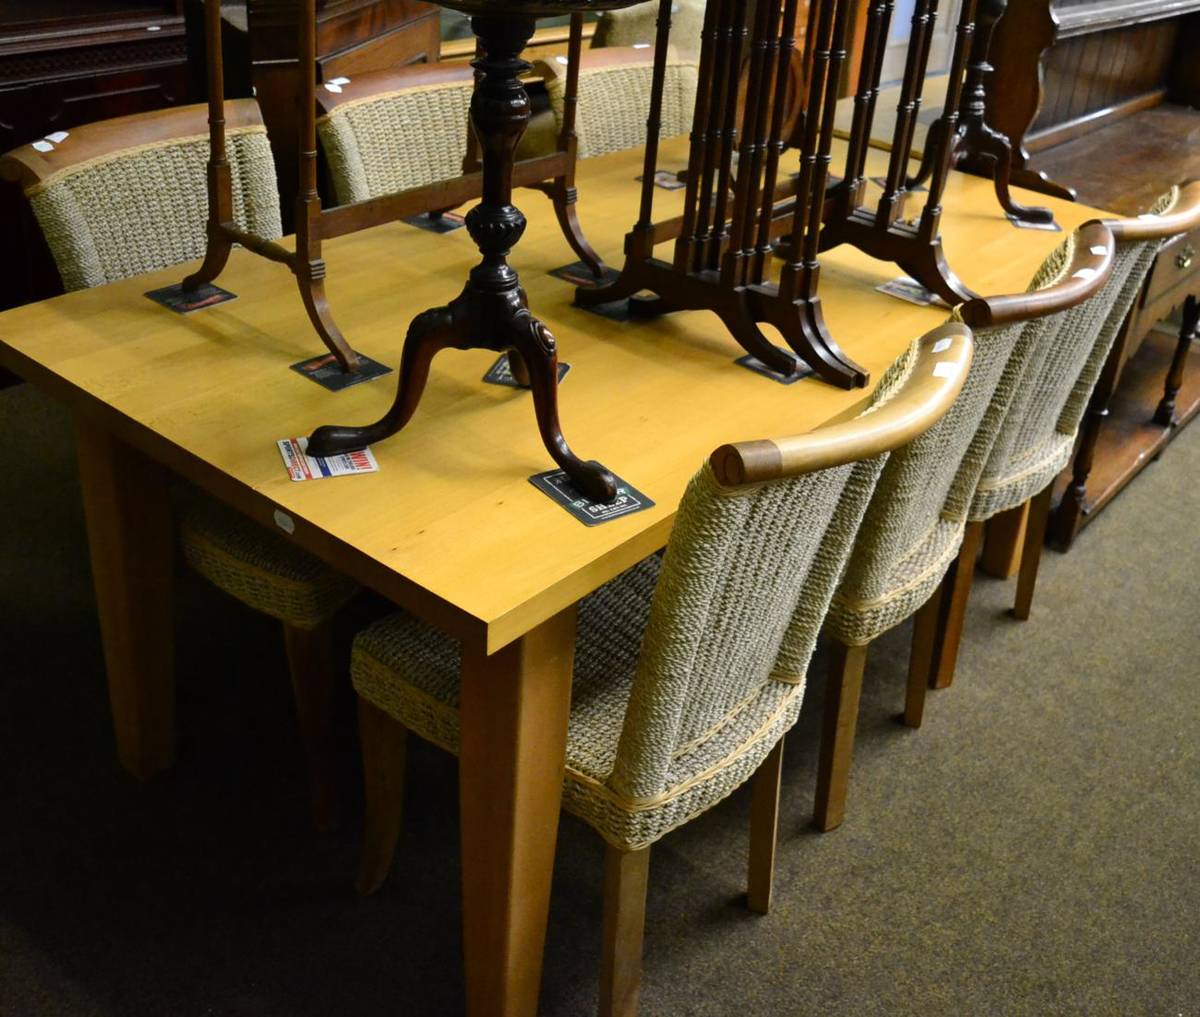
<point>1185,258</point>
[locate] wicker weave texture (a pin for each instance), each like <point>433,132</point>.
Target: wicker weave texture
<point>688,671</point>
<point>1034,440</point>
<point>397,140</point>
<point>637,25</point>
<point>914,524</point>
<point>144,208</point>
<point>259,568</point>
<point>614,102</point>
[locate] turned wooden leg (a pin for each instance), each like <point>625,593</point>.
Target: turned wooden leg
<point>1068,517</point>
<point>1189,332</point>
<point>314,684</point>
<point>1031,556</point>
<point>954,610</point>
<point>923,656</point>
<point>837,734</point>
<point>129,537</point>
<point>514,710</point>
<point>384,752</point>
<point>625,878</point>
<point>1003,536</point>
<point>764,830</point>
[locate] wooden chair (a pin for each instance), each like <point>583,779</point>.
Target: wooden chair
<point>614,97</point>
<point>126,196</point>
<point>635,26</point>
<point>1038,434</point>
<point>725,623</point>
<point>915,523</point>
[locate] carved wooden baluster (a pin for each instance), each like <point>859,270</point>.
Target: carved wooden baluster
<point>792,280</point>
<point>923,22</point>
<point>931,214</point>
<point>643,230</point>
<point>837,57</point>
<point>220,184</point>
<point>729,135</point>
<point>775,142</point>
<point>723,60</point>
<point>701,143</point>
<point>874,49</point>
<point>754,116</point>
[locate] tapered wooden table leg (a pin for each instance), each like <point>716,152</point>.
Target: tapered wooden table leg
<point>514,712</point>
<point>129,534</point>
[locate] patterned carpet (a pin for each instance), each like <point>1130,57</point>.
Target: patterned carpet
<point>1031,851</point>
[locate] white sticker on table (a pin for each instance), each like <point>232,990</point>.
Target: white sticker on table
<point>301,466</point>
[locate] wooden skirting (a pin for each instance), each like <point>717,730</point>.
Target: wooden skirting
<point>1077,128</point>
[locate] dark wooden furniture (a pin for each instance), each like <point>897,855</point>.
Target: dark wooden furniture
<point>976,145</point>
<point>261,48</point>
<point>732,215</point>
<point>1098,99</point>
<point>492,311</point>
<point>64,63</point>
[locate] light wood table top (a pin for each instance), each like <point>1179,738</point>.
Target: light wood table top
<point>450,527</point>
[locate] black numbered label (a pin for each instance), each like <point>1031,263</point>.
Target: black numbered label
<point>758,367</point>
<point>501,374</point>
<point>185,301</point>
<point>328,373</point>
<point>557,485</point>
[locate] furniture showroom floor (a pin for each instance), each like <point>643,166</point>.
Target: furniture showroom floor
<point>1032,850</point>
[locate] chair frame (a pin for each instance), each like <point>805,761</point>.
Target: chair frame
<point>315,224</point>
<point>1089,270</point>
<point>925,396</point>
<point>1034,514</point>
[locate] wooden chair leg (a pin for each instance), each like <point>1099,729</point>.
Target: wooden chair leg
<point>764,830</point>
<point>625,877</point>
<point>314,683</point>
<point>384,751</point>
<point>837,734</point>
<point>923,656</point>
<point>1031,554</point>
<point>954,612</point>
<point>1003,536</point>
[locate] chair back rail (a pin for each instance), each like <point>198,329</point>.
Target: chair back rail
<point>943,360</point>
<point>27,166</point>
<point>1088,272</point>
<point>1183,218</point>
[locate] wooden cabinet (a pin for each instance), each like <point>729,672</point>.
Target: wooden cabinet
<point>68,62</point>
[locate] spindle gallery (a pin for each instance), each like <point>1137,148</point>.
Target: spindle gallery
<point>737,209</point>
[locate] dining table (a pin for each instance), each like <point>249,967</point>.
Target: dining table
<point>449,527</point>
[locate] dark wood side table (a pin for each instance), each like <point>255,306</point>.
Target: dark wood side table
<point>1146,393</point>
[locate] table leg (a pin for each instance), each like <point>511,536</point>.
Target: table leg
<point>514,710</point>
<point>129,536</point>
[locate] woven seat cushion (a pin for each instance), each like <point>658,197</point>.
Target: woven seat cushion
<point>260,568</point>
<point>914,525</point>
<point>1034,441</point>
<point>144,208</point>
<point>614,101</point>
<point>397,140</point>
<point>412,672</point>
<point>638,25</point>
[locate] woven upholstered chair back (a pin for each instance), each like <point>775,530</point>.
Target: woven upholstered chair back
<point>1056,380</point>
<point>636,26</point>
<point>928,484</point>
<point>396,130</point>
<point>614,98</point>
<point>743,591</point>
<point>138,201</point>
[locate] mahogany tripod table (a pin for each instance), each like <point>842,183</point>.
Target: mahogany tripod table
<point>492,311</point>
